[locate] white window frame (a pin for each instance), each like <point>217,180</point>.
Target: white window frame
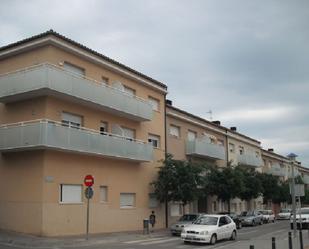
<point>61,193</point>
<point>153,201</point>
<point>155,103</point>
<point>105,125</point>
<point>193,137</point>
<point>106,193</point>
<point>71,120</point>
<point>127,195</point>
<point>174,128</point>
<point>151,138</point>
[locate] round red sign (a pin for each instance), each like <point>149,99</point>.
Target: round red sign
<point>89,180</point>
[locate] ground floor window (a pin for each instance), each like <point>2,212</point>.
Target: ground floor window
<point>153,201</point>
<point>175,209</point>
<point>127,200</point>
<point>70,193</point>
<point>103,194</point>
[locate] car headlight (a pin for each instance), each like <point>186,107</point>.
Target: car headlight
<point>204,233</point>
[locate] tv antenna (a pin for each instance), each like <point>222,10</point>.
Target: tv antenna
<point>210,114</point>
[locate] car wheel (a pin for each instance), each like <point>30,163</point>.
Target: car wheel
<point>213,239</point>
<point>261,222</point>
<point>233,236</point>
<point>273,220</point>
<point>186,242</point>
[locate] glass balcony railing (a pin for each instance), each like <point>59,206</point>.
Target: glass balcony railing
<point>47,134</point>
<point>276,170</point>
<point>203,148</point>
<point>306,179</point>
<point>47,79</point>
<point>250,159</point>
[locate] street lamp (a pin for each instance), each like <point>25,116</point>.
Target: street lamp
<point>292,158</point>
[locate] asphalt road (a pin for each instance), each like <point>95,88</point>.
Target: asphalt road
<point>259,236</point>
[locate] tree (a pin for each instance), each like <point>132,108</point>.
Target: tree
<point>252,187</point>
<point>270,187</point>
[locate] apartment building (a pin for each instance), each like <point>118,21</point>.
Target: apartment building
<point>67,111</point>
<point>190,137</point>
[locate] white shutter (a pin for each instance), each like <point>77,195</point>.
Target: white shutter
<point>116,129</point>
<point>174,131</point>
<point>129,133</point>
<point>71,193</point>
<point>154,140</point>
<point>118,85</point>
<point>127,200</point>
<point>72,118</point>
<point>191,135</point>
<point>74,69</point>
<point>129,91</point>
<point>154,103</point>
<point>103,193</point>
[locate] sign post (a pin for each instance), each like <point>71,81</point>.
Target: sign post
<point>88,181</point>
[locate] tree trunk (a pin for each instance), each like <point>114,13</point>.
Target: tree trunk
<point>229,205</point>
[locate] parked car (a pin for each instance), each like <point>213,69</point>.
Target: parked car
<point>251,218</point>
<point>285,214</point>
<point>235,218</point>
<point>184,220</point>
<point>302,217</point>
<point>267,216</point>
<point>209,229</point>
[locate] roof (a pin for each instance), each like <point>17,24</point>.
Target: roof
<point>116,63</point>
<point>211,123</point>
<point>275,154</point>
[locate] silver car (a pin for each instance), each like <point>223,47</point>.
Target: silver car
<point>251,218</point>
<point>185,220</point>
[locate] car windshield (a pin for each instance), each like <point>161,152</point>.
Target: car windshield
<point>206,220</point>
<point>265,212</point>
<point>285,211</point>
<point>250,213</point>
<point>244,213</point>
<point>303,211</point>
<point>188,217</point>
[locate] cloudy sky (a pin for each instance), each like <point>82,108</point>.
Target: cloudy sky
<point>246,61</point>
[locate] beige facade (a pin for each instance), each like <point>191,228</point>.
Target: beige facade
<point>41,172</point>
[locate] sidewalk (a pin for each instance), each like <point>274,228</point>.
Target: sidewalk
<point>29,241</point>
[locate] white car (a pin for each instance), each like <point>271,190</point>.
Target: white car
<point>285,214</point>
<point>302,217</point>
<point>268,216</point>
<point>209,229</point>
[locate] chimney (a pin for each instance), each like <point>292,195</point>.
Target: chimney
<point>233,128</point>
<point>216,122</point>
<point>271,150</point>
<point>168,102</point>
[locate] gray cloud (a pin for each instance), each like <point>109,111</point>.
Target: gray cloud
<point>245,60</point>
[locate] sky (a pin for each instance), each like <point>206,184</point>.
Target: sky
<point>246,61</point>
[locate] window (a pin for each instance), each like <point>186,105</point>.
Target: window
<point>127,200</point>
<point>191,135</point>
<point>71,120</point>
<point>232,147</point>
<point>103,128</point>
<point>130,91</point>
<point>212,140</point>
<point>153,202</point>
<point>257,154</point>
<point>154,140</point>
<point>174,131</point>
<point>220,142</point>
<point>128,133</point>
<point>74,69</point>
<point>241,150</point>
<point>105,80</point>
<point>103,193</point>
<point>155,103</point>
<point>175,209</point>
<point>70,193</point>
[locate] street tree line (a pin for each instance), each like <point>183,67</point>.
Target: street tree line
<point>186,181</point>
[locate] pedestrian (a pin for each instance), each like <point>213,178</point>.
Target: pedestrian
<point>152,219</point>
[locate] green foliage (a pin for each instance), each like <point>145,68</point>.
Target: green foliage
<point>270,187</point>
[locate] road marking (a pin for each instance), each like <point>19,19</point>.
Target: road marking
<point>143,240</point>
<point>158,241</point>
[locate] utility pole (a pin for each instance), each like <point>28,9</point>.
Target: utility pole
<point>292,157</point>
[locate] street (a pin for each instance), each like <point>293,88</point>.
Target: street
<point>259,236</point>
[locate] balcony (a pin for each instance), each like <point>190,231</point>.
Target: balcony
<point>47,79</point>
<point>46,134</point>
<point>276,170</point>
<point>203,148</point>
<point>249,159</point>
<point>305,179</point>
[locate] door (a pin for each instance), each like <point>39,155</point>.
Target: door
<point>222,228</point>
<point>229,227</point>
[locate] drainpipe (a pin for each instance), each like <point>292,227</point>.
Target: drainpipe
<point>165,154</point>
